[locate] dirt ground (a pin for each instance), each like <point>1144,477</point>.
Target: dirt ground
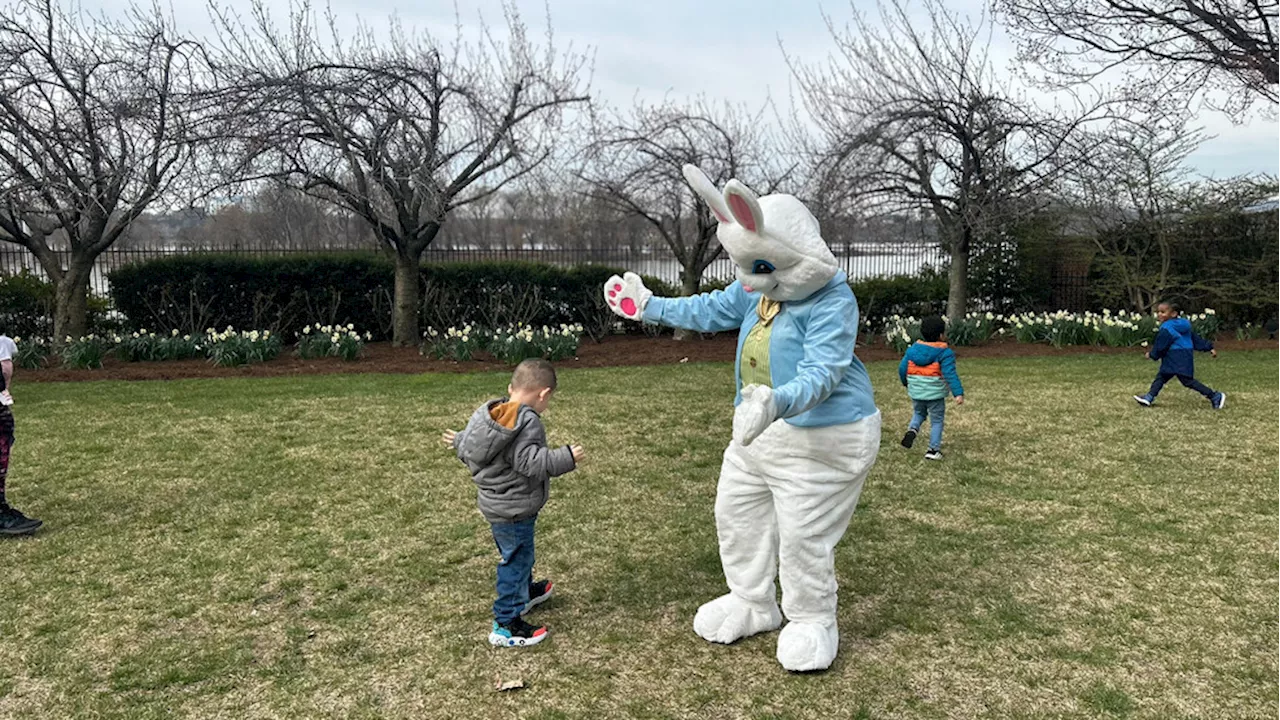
<point>613,351</point>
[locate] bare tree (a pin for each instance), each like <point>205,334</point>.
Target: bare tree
<point>1190,45</point>
<point>912,117</point>
<point>635,160</point>
<point>1129,194</point>
<point>98,121</point>
<point>401,131</point>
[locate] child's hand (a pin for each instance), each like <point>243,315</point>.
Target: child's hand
<point>578,453</point>
<point>1148,355</point>
<point>447,437</point>
<point>1213,353</point>
<point>959,399</point>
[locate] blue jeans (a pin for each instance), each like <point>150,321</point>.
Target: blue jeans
<point>936,411</point>
<point>515,570</point>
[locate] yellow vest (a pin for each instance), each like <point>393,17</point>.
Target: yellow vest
<point>755,349</point>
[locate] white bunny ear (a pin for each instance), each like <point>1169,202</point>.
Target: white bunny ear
<point>744,206</point>
<point>701,185</point>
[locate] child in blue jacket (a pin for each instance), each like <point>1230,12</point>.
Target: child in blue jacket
<point>1175,348</point>
<point>928,371</point>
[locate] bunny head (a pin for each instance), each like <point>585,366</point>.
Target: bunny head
<point>774,240</point>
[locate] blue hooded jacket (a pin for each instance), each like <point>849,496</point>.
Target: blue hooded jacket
<point>1175,346</point>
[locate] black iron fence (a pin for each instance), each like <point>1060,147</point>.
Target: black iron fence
<point>867,260</point>
<point>859,261</point>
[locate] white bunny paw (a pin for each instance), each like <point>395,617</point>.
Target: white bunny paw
<point>805,647</point>
<point>754,414</point>
<point>627,295</point>
<point>728,619</point>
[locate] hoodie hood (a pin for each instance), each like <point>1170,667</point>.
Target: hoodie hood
<point>1179,326</point>
<point>493,427</point>
<point>923,352</point>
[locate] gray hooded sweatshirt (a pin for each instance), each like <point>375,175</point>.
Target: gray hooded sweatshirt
<point>505,448</point>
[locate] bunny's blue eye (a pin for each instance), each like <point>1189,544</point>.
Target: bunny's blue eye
<point>761,267</point>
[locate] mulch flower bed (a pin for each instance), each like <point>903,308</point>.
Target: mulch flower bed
<point>622,350</point>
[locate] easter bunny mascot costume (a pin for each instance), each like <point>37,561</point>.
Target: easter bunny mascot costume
<point>787,489</point>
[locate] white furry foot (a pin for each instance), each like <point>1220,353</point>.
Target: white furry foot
<point>803,647</point>
<point>729,619</point>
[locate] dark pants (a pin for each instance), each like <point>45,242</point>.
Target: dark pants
<point>6,442</point>
<point>1186,380</point>
<point>515,570</point>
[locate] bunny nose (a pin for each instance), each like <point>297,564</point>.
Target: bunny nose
<point>748,288</point>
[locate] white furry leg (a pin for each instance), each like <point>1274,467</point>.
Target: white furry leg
<point>804,647</point>
<point>728,619</point>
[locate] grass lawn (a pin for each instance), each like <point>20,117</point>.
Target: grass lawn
<point>304,548</point>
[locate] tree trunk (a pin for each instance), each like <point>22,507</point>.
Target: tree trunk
<point>958,292</point>
<point>70,309</point>
<point>690,282</point>
<point>406,311</point>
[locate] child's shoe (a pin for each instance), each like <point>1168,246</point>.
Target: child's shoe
<point>539,593</point>
<point>909,439</point>
<point>516,633</point>
<point>933,455</point>
<point>1143,400</point>
<point>1219,400</point>
<point>13,522</point>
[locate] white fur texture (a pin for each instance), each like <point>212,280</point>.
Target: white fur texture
<point>788,237</point>
<point>782,505</point>
<point>754,413</point>
<point>629,286</point>
<point>728,619</point>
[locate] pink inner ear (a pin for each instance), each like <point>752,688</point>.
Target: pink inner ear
<point>742,211</point>
<point>719,217</point>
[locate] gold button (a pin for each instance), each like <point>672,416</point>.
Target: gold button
<point>753,362</point>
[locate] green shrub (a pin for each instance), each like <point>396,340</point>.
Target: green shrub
<point>974,329</point>
<point>150,346</point>
<point>285,294</point>
<point>331,341</point>
<point>86,352</point>
<point>880,298</point>
<point>32,352</point>
<point>281,294</point>
<point>229,348</point>
<point>26,305</point>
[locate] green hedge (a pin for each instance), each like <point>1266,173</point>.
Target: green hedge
<point>905,295</point>
<point>26,308</point>
<point>191,293</point>
<point>283,294</point>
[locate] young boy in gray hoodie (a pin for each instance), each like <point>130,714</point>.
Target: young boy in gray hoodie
<point>504,445</point>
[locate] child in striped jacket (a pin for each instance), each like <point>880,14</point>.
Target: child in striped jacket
<point>928,371</point>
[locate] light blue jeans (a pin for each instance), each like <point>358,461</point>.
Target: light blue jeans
<point>936,411</point>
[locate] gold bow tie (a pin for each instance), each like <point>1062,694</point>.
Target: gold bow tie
<point>767,310</point>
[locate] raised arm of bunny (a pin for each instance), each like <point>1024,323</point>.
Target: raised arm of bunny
<point>715,311</point>
<point>829,342</point>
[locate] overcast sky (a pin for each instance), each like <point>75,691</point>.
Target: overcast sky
<point>719,48</point>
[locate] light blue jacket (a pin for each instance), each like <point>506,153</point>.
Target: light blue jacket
<point>817,381</point>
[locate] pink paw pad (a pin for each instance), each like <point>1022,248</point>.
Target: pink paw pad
<point>629,306</point>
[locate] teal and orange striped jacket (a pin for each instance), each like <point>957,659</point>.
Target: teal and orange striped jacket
<point>928,369</point>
